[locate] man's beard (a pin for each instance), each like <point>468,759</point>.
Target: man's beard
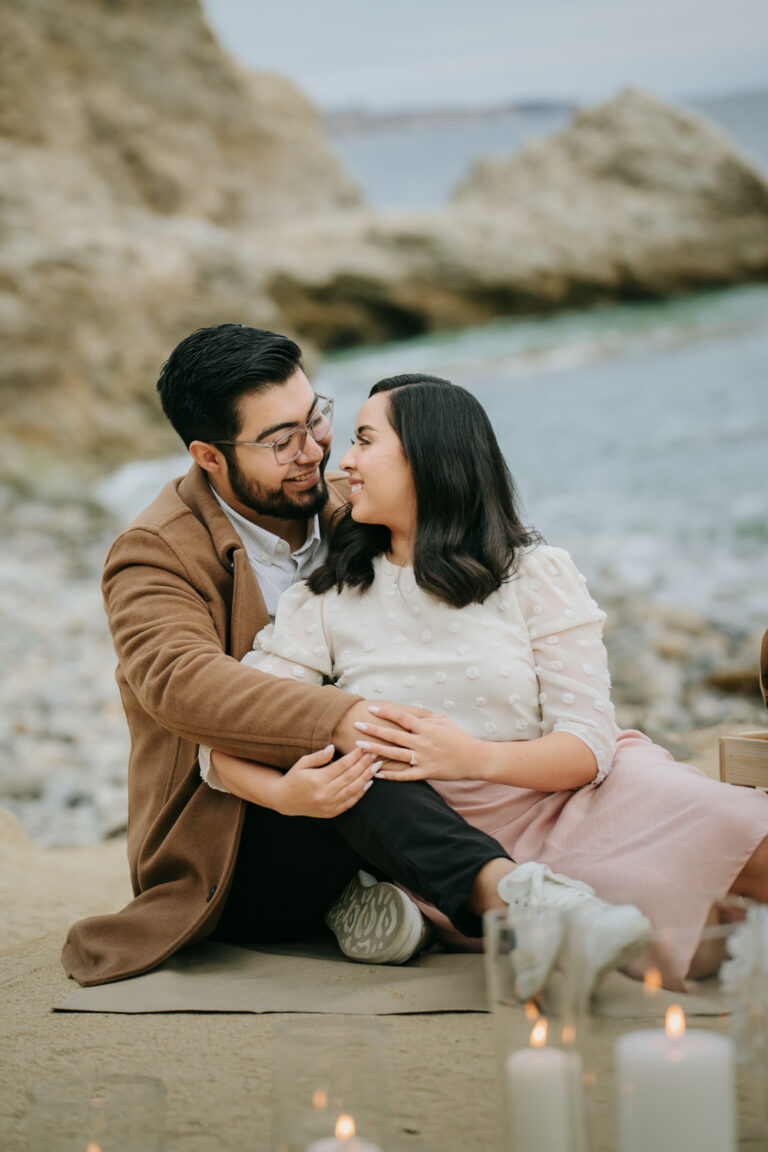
<point>276,502</point>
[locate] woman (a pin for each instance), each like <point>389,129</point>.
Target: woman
<point>434,593</point>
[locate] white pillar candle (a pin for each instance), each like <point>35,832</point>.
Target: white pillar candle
<point>543,1093</point>
<point>676,1089</point>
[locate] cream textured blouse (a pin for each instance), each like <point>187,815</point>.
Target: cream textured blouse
<point>527,661</point>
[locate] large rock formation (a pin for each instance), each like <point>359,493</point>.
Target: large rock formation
<point>133,155</point>
<point>633,199</point>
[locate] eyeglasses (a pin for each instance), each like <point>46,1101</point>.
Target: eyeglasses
<point>291,445</point>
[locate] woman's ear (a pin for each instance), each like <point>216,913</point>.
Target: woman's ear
<point>208,457</point>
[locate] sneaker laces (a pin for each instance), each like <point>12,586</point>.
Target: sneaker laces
<point>526,887</point>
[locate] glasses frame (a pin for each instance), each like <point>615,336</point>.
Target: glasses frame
<point>327,402</point>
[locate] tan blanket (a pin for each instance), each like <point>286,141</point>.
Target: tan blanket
<point>316,978</point>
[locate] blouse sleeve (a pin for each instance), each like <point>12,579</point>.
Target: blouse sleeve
<point>565,626</point>
<point>294,646</point>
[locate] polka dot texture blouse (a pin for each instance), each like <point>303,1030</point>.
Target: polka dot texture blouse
<point>528,661</point>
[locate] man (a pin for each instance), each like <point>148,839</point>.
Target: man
<point>186,588</point>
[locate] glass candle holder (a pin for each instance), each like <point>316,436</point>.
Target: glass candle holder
<point>103,1114</point>
<point>539,1063</point>
<point>731,966</point>
<point>723,1013</point>
<point>329,1084</point>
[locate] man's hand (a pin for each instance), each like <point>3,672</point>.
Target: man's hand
<point>318,786</point>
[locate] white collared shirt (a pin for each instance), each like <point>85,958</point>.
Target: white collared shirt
<point>276,568</point>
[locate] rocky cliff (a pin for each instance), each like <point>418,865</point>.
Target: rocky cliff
<point>133,155</point>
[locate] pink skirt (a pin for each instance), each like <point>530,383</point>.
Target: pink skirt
<point>655,833</point>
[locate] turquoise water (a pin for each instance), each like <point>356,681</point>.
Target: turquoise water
<point>638,436</point>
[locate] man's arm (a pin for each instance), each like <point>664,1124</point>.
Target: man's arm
<point>168,640</point>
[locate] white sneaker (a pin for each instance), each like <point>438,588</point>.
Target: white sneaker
<point>376,923</point>
<point>613,934</point>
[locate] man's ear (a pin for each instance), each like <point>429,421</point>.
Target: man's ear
<point>208,457</point>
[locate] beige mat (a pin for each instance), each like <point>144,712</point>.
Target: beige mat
<point>317,978</point>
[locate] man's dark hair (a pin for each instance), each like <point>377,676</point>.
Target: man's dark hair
<point>204,378</point>
<point>468,528</point>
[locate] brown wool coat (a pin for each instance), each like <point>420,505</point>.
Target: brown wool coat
<point>183,607</point>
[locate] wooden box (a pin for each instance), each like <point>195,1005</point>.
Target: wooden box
<point>744,759</point>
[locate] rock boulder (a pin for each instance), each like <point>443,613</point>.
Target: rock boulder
<point>634,199</point>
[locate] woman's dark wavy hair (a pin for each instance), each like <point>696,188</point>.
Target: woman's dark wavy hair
<point>468,528</point>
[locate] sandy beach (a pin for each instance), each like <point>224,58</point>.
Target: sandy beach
<point>217,1068</point>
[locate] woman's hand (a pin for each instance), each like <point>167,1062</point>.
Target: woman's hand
<point>318,786</point>
<point>426,747</point>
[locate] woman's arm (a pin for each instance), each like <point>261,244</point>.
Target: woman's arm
<point>316,785</point>
<point>443,751</point>
<point>576,727</point>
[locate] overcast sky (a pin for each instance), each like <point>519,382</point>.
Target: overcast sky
<point>383,54</point>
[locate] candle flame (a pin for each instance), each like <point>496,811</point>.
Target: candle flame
<point>319,1099</point>
<point>539,1034</point>
<point>652,980</point>
<point>345,1127</point>
<point>674,1021</point>
<point>531,1011</point>
<point>92,1147</point>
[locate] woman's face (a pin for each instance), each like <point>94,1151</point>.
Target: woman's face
<point>382,490</point>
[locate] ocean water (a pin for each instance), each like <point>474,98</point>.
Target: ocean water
<point>637,435</point>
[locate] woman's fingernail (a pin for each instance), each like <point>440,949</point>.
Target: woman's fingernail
<point>367,786</point>
<point>359,724</point>
<point>362,743</point>
<point>375,767</point>
<point>373,708</point>
<point>329,748</point>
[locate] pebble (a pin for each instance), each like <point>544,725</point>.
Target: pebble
<point>63,739</point>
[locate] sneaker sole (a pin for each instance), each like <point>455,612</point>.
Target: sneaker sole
<point>376,925</point>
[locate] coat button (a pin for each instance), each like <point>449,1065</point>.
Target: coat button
<point>211,893</point>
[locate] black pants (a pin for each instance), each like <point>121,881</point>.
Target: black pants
<point>290,868</point>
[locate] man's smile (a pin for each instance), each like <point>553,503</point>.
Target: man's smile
<point>305,479</point>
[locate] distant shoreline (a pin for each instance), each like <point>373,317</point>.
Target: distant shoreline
<point>353,120</point>
<point>363,120</point>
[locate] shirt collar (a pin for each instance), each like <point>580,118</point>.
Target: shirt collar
<point>259,540</point>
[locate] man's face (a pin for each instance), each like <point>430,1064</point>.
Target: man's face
<point>255,482</point>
